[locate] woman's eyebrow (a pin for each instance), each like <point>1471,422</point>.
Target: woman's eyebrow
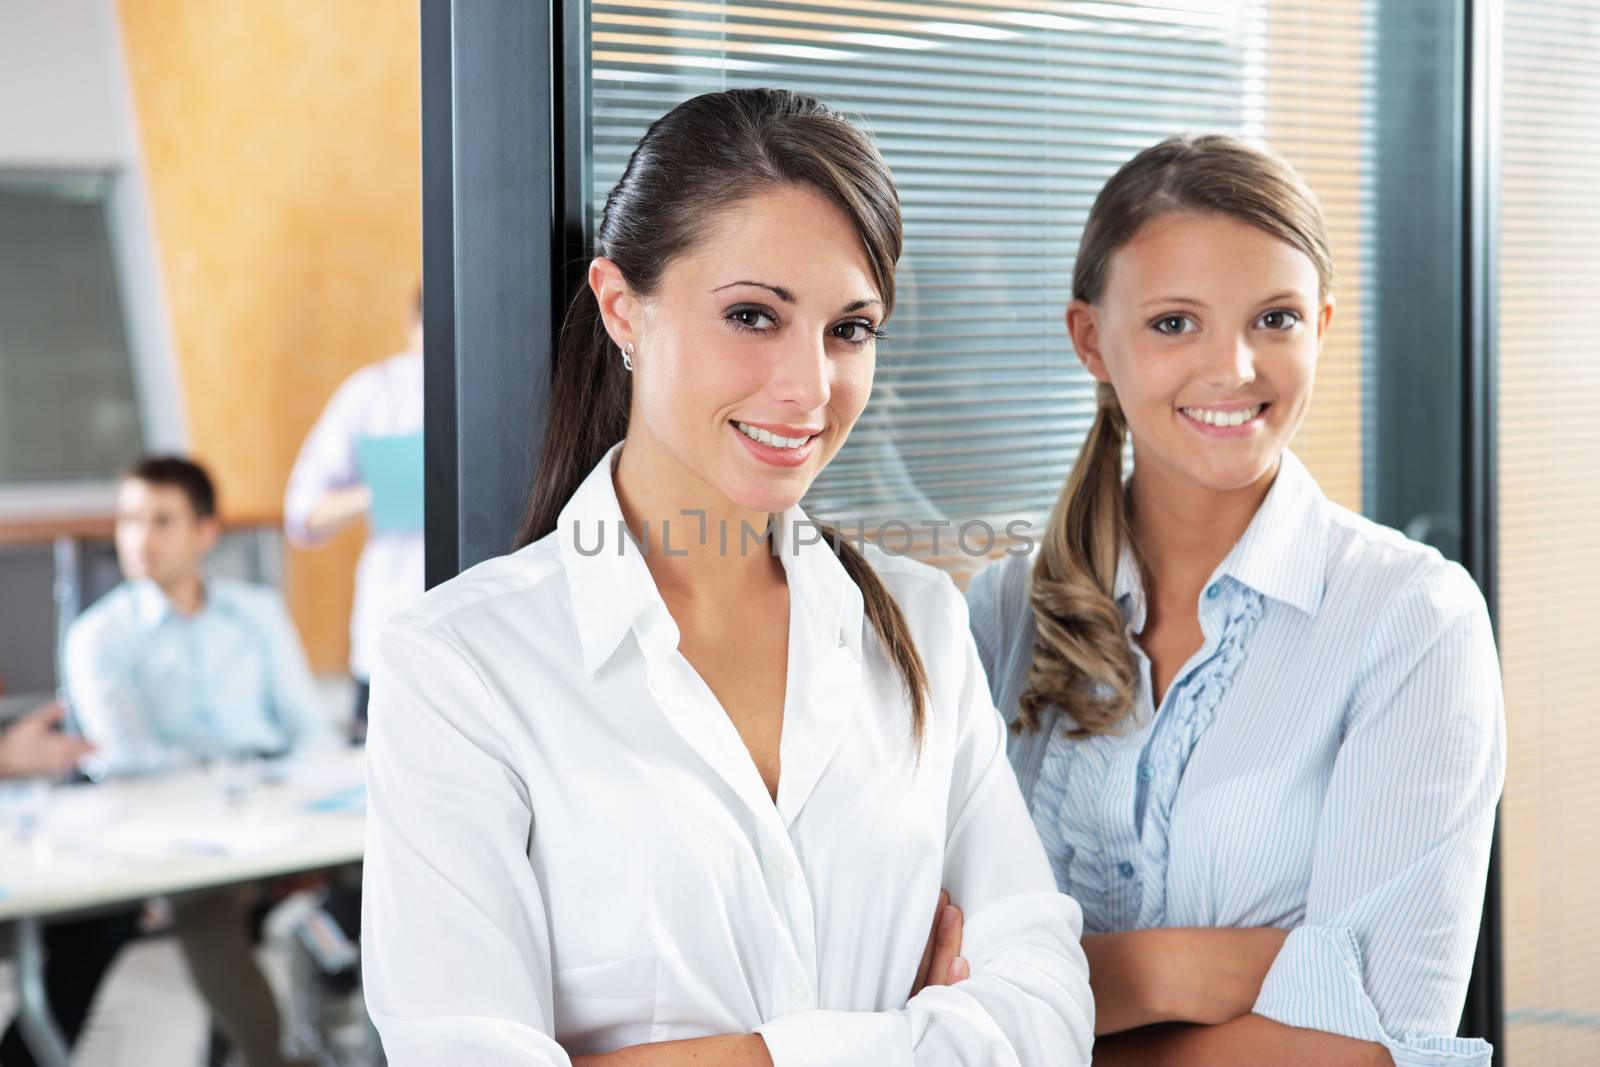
<point>1191,301</point>
<point>788,297</point>
<point>777,290</point>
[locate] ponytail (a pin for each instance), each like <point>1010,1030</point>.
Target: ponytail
<point>703,156</point>
<point>589,395</point>
<point>1081,660</point>
<point>890,626</point>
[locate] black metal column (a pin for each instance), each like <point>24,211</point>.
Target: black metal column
<point>493,182</point>
<point>1485,1010</point>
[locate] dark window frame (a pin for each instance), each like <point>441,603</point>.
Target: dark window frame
<point>505,226</point>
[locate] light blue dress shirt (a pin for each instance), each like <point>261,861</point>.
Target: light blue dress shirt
<point>152,687</point>
<point>1327,763</point>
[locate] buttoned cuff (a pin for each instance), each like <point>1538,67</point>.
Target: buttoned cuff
<point>1316,984</point>
<point>816,1038</point>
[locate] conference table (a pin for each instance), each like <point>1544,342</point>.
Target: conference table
<point>71,851</point>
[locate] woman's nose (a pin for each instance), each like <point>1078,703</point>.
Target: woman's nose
<point>801,374</point>
<point>1232,364</point>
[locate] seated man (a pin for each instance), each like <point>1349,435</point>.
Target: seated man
<point>172,666</point>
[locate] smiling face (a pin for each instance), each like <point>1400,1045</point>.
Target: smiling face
<point>1209,330</point>
<point>754,356</point>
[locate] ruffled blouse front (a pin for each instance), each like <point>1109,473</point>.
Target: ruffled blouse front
<point>1328,763</point>
<point>1115,861</point>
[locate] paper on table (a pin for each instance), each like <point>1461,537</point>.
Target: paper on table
<point>346,801</point>
<point>391,467</point>
<point>157,838</point>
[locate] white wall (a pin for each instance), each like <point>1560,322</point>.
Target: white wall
<point>66,104</point>
<point>61,88</point>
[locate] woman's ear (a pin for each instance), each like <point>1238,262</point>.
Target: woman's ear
<point>1324,318</point>
<point>1083,326</point>
<point>618,307</point>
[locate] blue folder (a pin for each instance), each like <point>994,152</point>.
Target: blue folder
<point>392,468</point>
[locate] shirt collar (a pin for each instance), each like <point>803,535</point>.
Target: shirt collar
<point>152,606</point>
<point>1283,553</point>
<point>612,591</point>
<point>818,578</point>
<point>149,602</point>
<point>1128,588</point>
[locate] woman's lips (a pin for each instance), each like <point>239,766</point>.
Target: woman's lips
<point>777,455</point>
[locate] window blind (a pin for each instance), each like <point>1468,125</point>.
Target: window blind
<point>1001,119</point>
<point>1549,511</point>
<point>68,410</point>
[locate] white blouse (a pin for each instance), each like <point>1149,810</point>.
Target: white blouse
<point>380,400</point>
<point>570,849</point>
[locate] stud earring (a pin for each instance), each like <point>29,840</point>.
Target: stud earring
<point>627,356</point>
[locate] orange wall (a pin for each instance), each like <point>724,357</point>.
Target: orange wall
<point>282,148</point>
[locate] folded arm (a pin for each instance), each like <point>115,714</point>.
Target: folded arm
<point>1378,969</point>
<point>1027,998</point>
<point>1244,1042</point>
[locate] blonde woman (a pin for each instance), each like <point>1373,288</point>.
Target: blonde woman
<point>1262,738</point>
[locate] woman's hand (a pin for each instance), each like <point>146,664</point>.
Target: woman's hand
<point>1205,975</point>
<point>941,959</point>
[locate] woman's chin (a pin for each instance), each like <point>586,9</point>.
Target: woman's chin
<point>1236,473</point>
<point>762,487</point>
<point>764,490</point>
<point>767,498</point>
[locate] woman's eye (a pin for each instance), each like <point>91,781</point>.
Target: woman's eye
<point>1280,320</point>
<point>856,332</point>
<point>751,319</point>
<point>1174,324</point>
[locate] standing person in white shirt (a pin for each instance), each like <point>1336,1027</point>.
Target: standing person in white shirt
<point>327,492</point>
<point>680,798</point>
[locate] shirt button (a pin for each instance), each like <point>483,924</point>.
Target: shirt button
<point>785,871</point>
<point>798,991</point>
<point>1146,772</point>
<point>1125,869</point>
<point>1214,592</point>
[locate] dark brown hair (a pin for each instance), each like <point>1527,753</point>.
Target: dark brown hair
<point>1081,661</point>
<point>703,157</point>
<point>185,474</point>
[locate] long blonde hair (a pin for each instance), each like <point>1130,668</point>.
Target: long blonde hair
<point>1081,662</point>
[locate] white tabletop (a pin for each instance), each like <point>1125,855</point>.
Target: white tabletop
<point>125,841</point>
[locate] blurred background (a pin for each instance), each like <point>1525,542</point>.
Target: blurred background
<point>211,216</point>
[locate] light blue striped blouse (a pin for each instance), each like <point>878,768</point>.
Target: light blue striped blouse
<point>1327,763</point>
